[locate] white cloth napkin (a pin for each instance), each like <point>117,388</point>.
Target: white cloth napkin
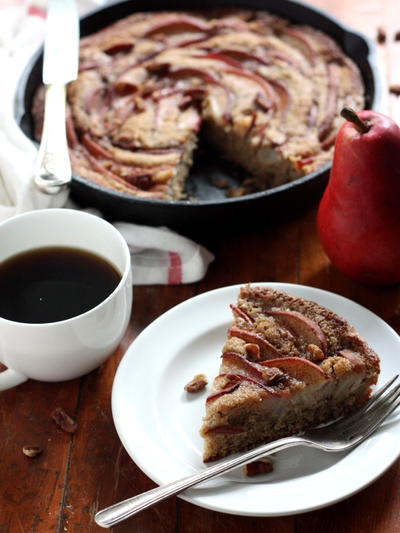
<point>159,255</point>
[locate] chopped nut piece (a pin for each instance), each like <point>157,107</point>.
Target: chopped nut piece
<point>63,420</point>
<point>272,376</point>
<point>31,451</point>
<point>381,35</point>
<point>197,383</point>
<point>139,103</point>
<point>315,353</point>
<point>252,351</point>
<point>395,89</point>
<point>262,466</point>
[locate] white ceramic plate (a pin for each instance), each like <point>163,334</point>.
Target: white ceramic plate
<point>158,422</point>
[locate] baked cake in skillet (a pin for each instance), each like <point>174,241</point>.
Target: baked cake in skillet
<point>264,92</point>
<point>288,364</point>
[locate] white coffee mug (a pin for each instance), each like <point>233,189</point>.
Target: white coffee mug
<point>58,351</point>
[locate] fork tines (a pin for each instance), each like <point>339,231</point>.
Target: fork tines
<point>381,404</point>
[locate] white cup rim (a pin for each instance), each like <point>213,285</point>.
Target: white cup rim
<point>73,212</point>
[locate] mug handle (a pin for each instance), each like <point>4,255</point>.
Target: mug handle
<point>9,378</point>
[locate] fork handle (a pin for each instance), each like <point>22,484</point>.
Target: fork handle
<point>120,511</point>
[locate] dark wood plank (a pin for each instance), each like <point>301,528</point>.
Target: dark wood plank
<point>198,520</point>
<point>32,490</point>
<point>268,253</point>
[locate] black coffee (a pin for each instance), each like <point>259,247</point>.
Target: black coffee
<point>52,284</point>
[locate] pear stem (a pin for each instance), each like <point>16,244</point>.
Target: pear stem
<point>350,115</point>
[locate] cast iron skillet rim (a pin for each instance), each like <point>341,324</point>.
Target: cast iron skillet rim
<point>369,57</point>
<point>197,203</point>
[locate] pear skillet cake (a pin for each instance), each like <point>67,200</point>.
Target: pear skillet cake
<point>288,364</point>
<point>265,92</point>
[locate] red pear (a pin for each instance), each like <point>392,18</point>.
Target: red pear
<point>357,362</point>
<point>239,363</point>
<point>359,214</point>
<point>301,326</point>
<point>180,23</point>
<point>298,368</point>
<point>267,350</point>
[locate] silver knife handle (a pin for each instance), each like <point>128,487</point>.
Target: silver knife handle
<point>53,166</point>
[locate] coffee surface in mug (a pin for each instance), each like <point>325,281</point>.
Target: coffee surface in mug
<point>54,283</point>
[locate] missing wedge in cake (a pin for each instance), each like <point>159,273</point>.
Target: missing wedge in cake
<point>288,364</point>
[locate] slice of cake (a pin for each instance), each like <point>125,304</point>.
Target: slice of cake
<point>288,364</point>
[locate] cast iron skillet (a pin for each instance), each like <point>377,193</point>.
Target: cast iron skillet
<point>212,211</point>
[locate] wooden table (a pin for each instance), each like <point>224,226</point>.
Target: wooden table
<point>78,474</point>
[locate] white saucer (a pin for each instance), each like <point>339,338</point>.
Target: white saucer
<point>158,422</point>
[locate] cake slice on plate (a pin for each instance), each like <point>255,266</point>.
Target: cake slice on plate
<point>288,364</point>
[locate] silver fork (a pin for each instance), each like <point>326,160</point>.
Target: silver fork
<point>339,436</point>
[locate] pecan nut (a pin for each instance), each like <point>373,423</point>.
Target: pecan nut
<point>315,353</point>
<point>395,89</point>
<point>261,466</point>
<point>31,451</point>
<point>381,35</point>
<point>64,421</point>
<point>252,351</point>
<point>197,383</point>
